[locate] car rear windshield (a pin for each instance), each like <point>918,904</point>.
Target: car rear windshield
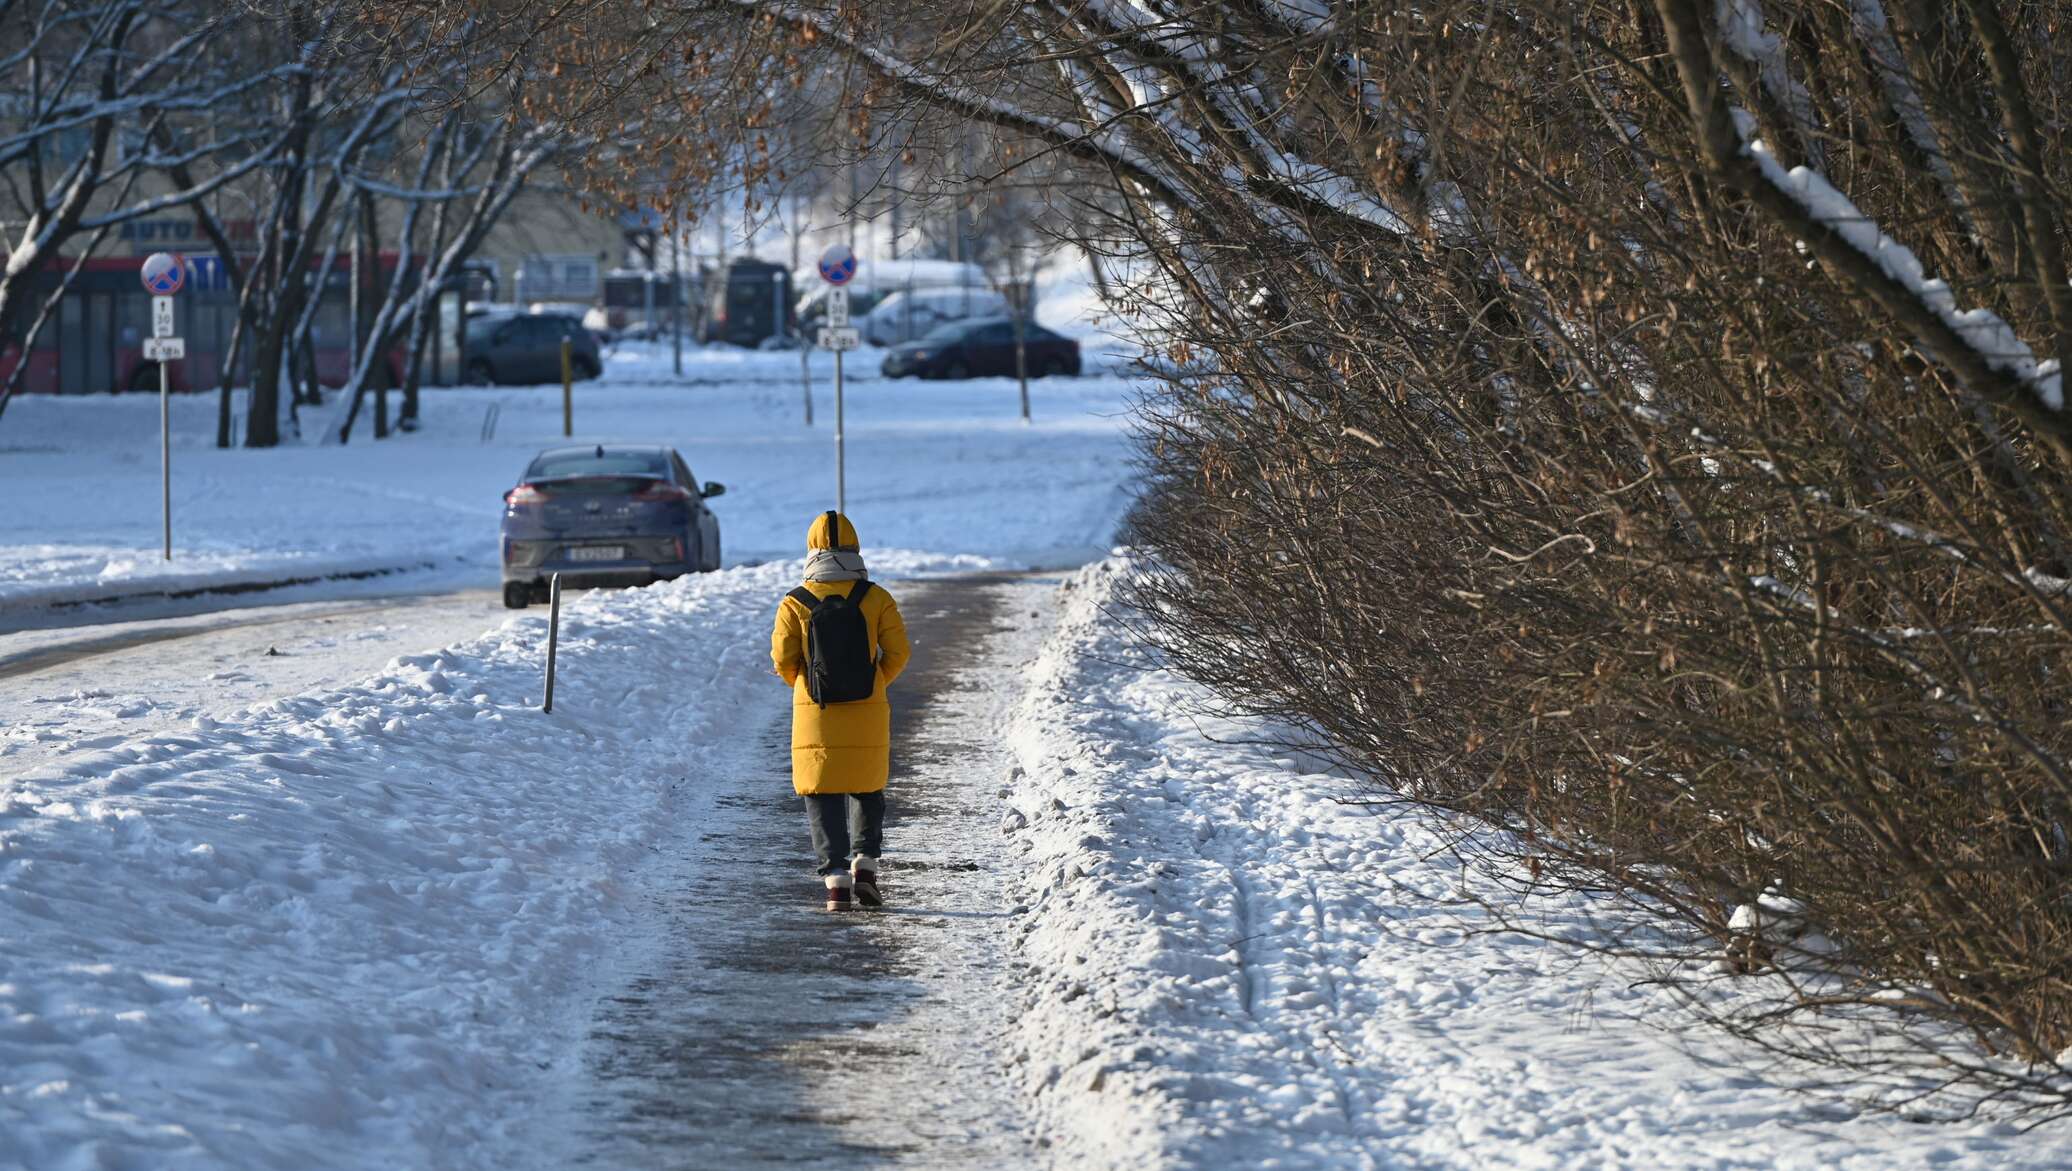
<point>652,464</point>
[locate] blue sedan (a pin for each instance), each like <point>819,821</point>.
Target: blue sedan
<point>606,514</point>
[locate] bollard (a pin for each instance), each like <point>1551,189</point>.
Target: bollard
<point>553,637</point>
<point>568,404</point>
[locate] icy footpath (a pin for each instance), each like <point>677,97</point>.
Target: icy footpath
<point>345,929</point>
<point>1230,968</point>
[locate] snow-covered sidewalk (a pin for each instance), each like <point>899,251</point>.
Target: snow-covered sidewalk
<point>1232,968</point>
<point>744,1026</point>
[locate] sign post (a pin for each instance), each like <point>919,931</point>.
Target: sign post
<point>837,268</point>
<point>568,394</point>
<point>164,273</point>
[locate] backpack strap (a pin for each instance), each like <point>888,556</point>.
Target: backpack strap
<point>806,598</point>
<point>857,591</point>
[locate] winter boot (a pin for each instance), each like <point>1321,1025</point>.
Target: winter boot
<point>866,880</point>
<point>838,886</point>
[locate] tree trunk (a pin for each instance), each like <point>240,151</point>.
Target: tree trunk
<point>263,424</point>
<point>367,248</point>
<point>413,369</point>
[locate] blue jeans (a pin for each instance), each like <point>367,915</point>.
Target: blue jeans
<point>843,823</point>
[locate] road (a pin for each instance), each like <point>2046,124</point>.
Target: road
<point>749,1028</point>
<point>80,689</point>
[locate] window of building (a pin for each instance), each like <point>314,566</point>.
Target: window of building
<point>558,277</point>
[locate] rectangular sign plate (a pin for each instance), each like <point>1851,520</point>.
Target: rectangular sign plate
<point>598,553</point>
<point>838,307</point>
<point>840,338</point>
<point>161,317</point>
<point>164,349</point>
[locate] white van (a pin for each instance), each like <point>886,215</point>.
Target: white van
<point>909,313</point>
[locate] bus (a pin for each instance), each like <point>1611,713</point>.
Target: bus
<point>626,302</point>
<point>747,301</point>
<point>94,340</point>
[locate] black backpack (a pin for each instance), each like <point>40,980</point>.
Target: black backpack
<point>839,666</point>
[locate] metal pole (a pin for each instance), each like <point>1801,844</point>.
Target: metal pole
<point>806,378</point>
<point>553,636</point>
<point>647,289</point>
<point>165,451</point>
<point>841,471</point>
<point>676,297</point>
<point>892,200</point>
<point>568,398</point>
<point>1021,366</point>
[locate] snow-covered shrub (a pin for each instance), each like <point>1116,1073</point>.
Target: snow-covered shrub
<point>1679,480</point>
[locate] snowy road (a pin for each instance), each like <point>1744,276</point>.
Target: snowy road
<point>79,689</point>
<point>81,476</point>
<point>753,1029</point>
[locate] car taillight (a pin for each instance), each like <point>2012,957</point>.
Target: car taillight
<point>661,492</point>
<point>524,494</point>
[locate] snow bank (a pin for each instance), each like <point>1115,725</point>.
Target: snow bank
<point>934,467</point>
<point>344,929</point>
<point>1230,967</point>
<point>40,576</point>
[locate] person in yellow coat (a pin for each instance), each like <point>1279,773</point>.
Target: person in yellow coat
<point>841,722</point>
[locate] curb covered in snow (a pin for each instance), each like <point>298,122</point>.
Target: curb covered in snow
<point>182,586</point>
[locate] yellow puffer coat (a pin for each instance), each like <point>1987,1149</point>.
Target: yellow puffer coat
<point>843,747</point>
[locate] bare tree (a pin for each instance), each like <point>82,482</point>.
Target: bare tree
<point>479,169</point>
<point>94,96</point>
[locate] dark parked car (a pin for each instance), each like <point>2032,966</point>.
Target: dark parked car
<point>524,349</point>
<point>605,514</point>
<point>982,345</point>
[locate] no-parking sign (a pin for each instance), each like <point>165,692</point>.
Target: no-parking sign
<point>164,274</point>
<point>837,264</point>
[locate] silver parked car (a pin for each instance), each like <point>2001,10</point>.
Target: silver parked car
<point>604,514</point>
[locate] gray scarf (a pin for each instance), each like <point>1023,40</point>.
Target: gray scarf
<point>834,565</point>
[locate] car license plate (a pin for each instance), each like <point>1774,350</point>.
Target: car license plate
<point>597,553</point>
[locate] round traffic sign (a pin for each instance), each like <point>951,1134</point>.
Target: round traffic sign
<point>837,264</point>
<point>164,273</point>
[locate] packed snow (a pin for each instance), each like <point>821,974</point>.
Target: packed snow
<point>71,690</point>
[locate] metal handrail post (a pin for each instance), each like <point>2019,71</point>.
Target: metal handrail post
<point>553,637</point>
